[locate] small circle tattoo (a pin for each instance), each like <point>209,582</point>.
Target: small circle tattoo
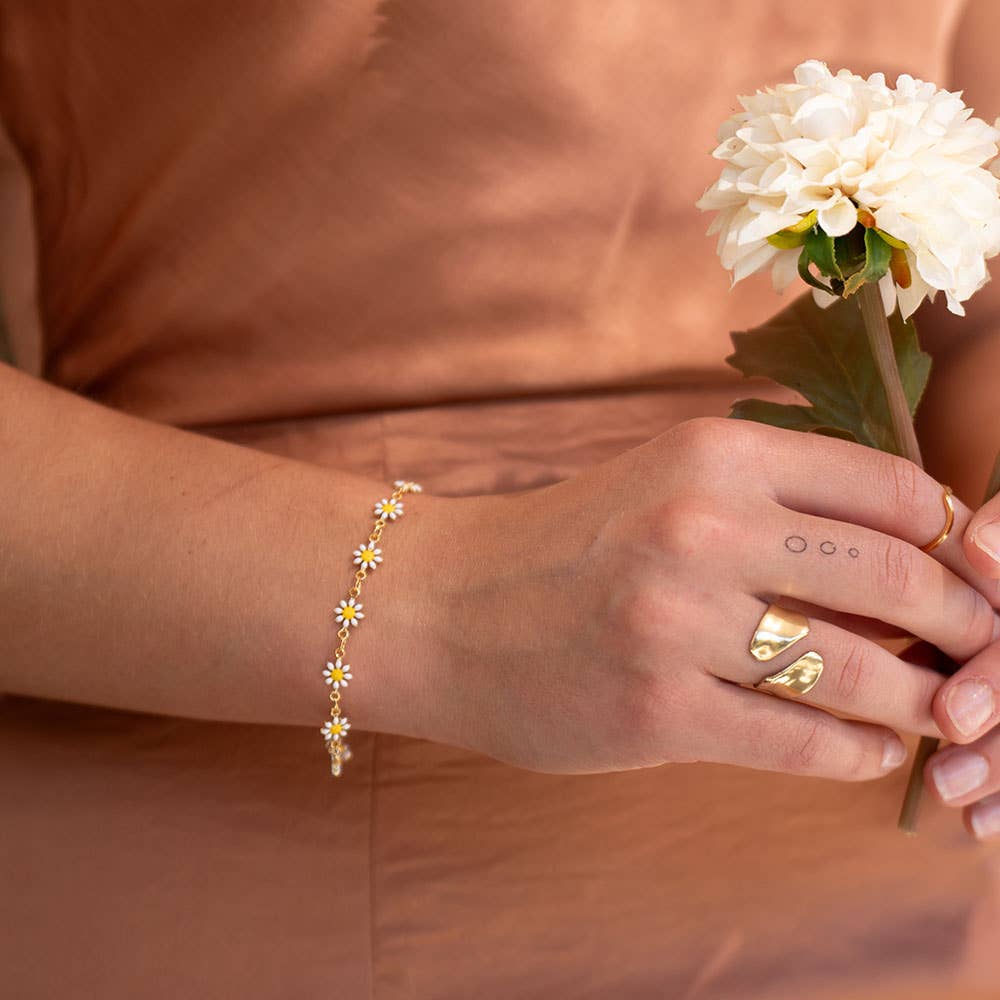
<point>796,543</point>
<point>827,548</point>
<point>853,553</point>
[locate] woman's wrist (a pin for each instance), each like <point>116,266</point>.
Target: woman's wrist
<point>398,653</point>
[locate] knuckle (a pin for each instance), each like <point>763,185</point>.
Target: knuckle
<point>855,675</point>
<point>706,440</point>
<point>928,684</point>
<point>701,432</point>
<point>806,745</point>
<point>814,748</point>
<point>685,528</point>
<point>858,760</point>
<point>977,617</point>
<point>898,571</point>
<point>902,482</point>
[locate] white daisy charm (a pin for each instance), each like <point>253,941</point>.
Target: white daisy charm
<point>345,752</point>
<point>367,556</point>
<point>404,484</point>
<point>389,510</point>
<point>335,768</point>
<point>349,612</point>
<point>334,729</point>
<point>338,674</point>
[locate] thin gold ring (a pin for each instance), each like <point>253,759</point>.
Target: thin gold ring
<point>949,507</point>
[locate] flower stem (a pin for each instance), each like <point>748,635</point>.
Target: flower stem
<point>877,328</point>
<point>880,339</point>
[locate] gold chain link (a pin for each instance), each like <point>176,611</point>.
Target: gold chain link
<point>337,748</point>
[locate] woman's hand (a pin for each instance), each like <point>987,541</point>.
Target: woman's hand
<point>603,623</point>
<point>982,540</point>
<point>967,774</point>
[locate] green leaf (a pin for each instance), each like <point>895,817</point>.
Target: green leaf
<point>807,276</point>
<point>786,239</point>
<point>795,418</point>
<point>793,236</point>
<point>823,354</point>
<point>878,254</point>
<point>822,253</point>
<point>851,251</point>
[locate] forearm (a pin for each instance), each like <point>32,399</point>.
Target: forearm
<point>149,568</point>
<point>960,416</point>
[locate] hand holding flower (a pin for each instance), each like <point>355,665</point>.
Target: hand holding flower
<point>885,193</point>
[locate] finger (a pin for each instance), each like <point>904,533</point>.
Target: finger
<point>961,775</point>
<point>867,628</point>
<point>861,571</point>
<point>981,540</point>
<point>982,819</point>
<point>859,678</point>
<point>775,734</point>
<point>844,481</point>
<point>967,704</point>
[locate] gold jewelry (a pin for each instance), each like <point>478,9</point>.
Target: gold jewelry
<point>337,673</point>
<point>797,678</point>
<point>949,520</point>
<point>778,629</point>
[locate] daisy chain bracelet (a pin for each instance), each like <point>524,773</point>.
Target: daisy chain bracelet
<point>337,674</point>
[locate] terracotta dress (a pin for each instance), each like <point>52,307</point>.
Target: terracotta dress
<point>453,241</point>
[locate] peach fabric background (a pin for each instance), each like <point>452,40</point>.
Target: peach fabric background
<point>453,241</point>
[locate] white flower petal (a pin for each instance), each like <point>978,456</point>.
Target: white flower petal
<point>785,269</point>
<point>887,288</point>
<point>913,155</point>
<point>839,218</point>
<point>823,299</point>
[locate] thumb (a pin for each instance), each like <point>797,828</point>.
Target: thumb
<point>982,539</point>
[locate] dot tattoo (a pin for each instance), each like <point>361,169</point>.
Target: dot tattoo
<point>797,544</point>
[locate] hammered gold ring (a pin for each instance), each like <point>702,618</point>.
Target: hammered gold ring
<point>779,629</point>
<point>949,520</point>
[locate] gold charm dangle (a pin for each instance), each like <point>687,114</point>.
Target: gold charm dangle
<point>797,678</point>
<point>779,628</point>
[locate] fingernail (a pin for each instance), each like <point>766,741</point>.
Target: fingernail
<point>958,773</point>
<point>894,753</point>
<point>987,538</point>
<point>969,705</point>
<point>985,818</point>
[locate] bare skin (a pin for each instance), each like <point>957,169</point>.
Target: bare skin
<point>152,569</point>
<point>146,568</point>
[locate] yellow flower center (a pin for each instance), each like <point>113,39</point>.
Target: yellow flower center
<point>367,555</point>
<point>348,612</point>
<point>337,674</point>
<point>388,508</point>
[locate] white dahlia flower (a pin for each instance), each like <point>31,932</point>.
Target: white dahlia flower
<point>909,161</point>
